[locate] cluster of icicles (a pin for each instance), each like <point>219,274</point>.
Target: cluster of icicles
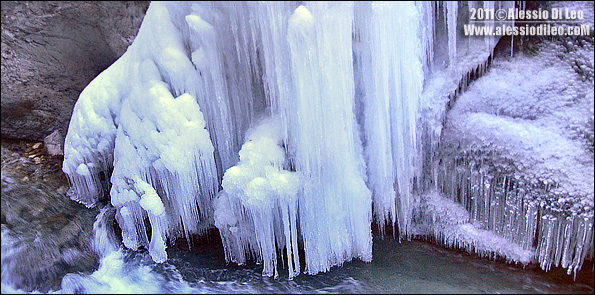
<point>286,125</point>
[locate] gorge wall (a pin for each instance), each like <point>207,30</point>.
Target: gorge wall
<point>50,51</point>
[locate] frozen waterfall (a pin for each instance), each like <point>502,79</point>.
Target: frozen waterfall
<point>287,126</point>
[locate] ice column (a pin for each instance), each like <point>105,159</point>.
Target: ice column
<point>239,63</point>
<point>211,87</point>
<point>389,53</point>
<point>335,206</point>
<point>426,24</point>
<point>271,20</point>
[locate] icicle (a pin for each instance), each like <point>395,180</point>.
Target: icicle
<point>562,241</point>
<point>128,227</point>
<point>489,40</point>
<point>451,15</point>
<point>427,27</point>
<point>272,20</point>
<point>211,88</point>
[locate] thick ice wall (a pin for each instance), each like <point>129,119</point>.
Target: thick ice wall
<point>344,82</point>
<point>298,91</point>
<point>313,148</point>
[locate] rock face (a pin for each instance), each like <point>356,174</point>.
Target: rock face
<point>51,51</point>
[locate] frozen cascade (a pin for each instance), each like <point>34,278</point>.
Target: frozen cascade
<point>355,101</point>
<point>338,228</point>
<point>164,168</point>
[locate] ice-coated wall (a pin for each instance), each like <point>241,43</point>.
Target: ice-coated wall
<point>286,125</point>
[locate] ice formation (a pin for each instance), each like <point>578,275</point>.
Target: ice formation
<point>292,126</point>
<point>258,207</point>
<point>446,222</point>
<point>521,170</point>
<point>451,13</point>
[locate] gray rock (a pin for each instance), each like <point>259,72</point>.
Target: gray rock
<point>53,144</point>
<point>51,51</point>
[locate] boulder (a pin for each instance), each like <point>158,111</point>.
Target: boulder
<point>53,144</point>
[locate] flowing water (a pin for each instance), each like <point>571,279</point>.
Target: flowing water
<point>406,267</point>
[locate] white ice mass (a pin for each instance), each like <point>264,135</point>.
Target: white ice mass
<point>294,126</point>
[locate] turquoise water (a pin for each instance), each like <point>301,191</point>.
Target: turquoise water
<point>406,267</point>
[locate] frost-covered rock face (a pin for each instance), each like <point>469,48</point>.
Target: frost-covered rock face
<point>353,101</point>
<point>521,166</point>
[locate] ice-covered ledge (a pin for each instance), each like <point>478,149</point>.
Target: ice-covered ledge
<point>512,153</point>
<point>519,146</point>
